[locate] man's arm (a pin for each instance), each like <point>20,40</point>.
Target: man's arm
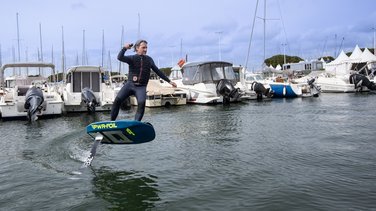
<point>121,56</point>
<point>160,73</point>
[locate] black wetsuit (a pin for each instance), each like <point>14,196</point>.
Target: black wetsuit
<point>138,78</point>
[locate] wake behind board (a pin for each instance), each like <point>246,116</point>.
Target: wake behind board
<point>122,131</point>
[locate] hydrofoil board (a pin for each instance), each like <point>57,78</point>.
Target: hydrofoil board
<point>122,131</point>
<point>118,132</point>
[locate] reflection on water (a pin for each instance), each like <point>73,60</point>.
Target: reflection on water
<point>33,130</point>
<point>125,190</point>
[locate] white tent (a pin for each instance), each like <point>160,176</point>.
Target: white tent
<point>343,64</point>
<point>341,58</point>
<point>367,56</point>
<point>340,65</point>
<point>356,55</point>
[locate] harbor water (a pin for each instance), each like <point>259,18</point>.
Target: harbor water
<point>283,154</point>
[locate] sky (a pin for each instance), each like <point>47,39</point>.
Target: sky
<point>202,30</point>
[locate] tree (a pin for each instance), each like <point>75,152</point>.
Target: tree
<point>166,70</point>
<point>279,59</point>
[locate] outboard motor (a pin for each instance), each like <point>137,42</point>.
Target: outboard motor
<point>88,97</point>
<point>360,80</point>
<point>33,103</point>
<point>260,90</point>
<point>227,90</point>
<point>315,90</point>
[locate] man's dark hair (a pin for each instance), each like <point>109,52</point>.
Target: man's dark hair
<point>138,43</point>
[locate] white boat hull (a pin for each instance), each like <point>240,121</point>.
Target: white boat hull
<point>336,85</point>
<point>73,103</point>
<point>15,108</point>
<point>159,101</point>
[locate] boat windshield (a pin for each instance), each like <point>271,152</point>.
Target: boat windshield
<point>254,78</point>
<point>208,73</point>
<point>80,80</point>
<point>176,74</point>
<point>10,83</point>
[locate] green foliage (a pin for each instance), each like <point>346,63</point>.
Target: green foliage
<point>279,59</point>
<point>166,70</point>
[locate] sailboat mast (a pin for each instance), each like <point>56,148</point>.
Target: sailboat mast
<point>18,39</point>
<point>38,54</point>
<point>62,53</point>
<point>374,41</point>
<point>27,59</point>
<point>139,27</point>
<point>219,44</point>
<point>1,60</point>
<point>14,59</point>
<point>264,29</point>
<point>121,45</point>
<point>54,74</point>
<point>102,47</point>
<point>250,38</point>
<point>52,54</point>
<point>41,46</point>
<point>77,62</point>
<point>109,65</point>
<point>83,48</point>
<point>40,41</point>
<point>335,45</point>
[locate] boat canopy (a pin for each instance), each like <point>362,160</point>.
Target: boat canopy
<point>26,78</point>
<point>207,72</point>
<point>85,76</point>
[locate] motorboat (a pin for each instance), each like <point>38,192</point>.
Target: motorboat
<point>27,95</point>
<point>345,83</point>
<point>211,82</point>
<point>159,94</point>
<point>86,89</point>
<point>354,73</point>
<point>257,84</point>
<point>290,88</point>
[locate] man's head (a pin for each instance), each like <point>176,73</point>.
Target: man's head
<point>141,47</point>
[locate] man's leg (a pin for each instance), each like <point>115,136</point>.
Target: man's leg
<point>140,94</point>
<point>123,94</point>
